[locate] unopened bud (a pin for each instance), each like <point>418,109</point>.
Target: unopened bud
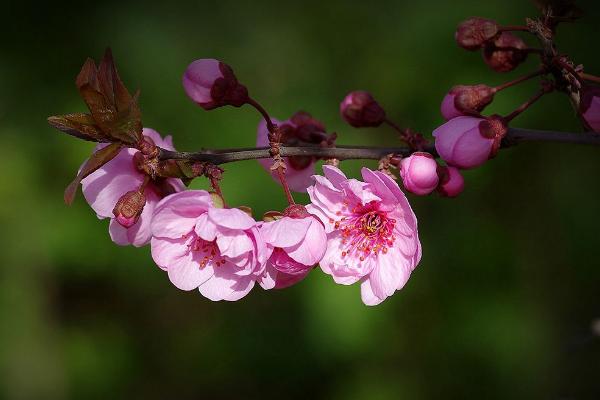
<point>211,84</point>
<point>472,33</point>
<point>451,182</point>
<point>296,211</point>
<point>466,100</point>
<point>418,173</point>
<point>505,53</point>
<point>129,208</point>
<point>360,110</point>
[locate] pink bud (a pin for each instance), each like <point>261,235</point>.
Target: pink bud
<point>467,142</point>
<point>451,181</point>
<point>472,33</point>
<point>505,53</point>
<point>466,100</point>
<point>590,107</point>
<point>211,84</point>
<point>129,208</point>
<point>418,173</point>
<point>360,110</point>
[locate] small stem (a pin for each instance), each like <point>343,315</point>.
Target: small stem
<point>526,105</point>
<point>286,189</point>
<point>394,126</point>
<point>503,86</point>
<point>588,77</point>
<point>513,28</point>
<point>263,112</point>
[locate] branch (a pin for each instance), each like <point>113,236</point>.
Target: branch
<point>513,137</point>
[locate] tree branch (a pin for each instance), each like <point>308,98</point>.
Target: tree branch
<point>222,156</point>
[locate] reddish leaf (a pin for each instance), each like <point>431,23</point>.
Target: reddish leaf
<point>79,125</point>
<point>96,160</point>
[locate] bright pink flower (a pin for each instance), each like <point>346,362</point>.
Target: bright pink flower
<point>467,142</point>
<point>297,244</point>
<point>360,110</point>
<point>590,107</point>
<point>372,235</point>
<point>217,250</point>
<point>104,188</point>
<point>299,170</point>
<point>419,173</point>
<point>211,84</point>
<point>451,181</point>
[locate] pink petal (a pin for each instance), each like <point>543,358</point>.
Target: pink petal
<point>299,180</point>
<point>226,285</point>
<point>285,232</point>
<point>104,187</point>
<point>187,274</point>
<point>387,274</point>
<point>335,175</point>
<point>233,243</point>
<point>231,218</point>
<point>312,249</point>
<point>176,214</point>
<point>379,187</point>
<point>205,228</point>
<point>367,295</point>
<point>140,233</point>
<point>168,252</point>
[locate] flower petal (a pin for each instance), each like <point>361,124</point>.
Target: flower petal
<point>231,218</point>
<point>285,232</point>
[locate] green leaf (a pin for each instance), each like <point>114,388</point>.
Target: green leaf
<point>96,160</point>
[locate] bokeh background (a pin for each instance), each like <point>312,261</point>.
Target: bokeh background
<point>501,306</point>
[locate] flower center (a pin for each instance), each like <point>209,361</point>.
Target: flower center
<point>366,232</point>
<point>208,251</point>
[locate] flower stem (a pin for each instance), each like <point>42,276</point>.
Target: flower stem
<point>526,105</point>
<point>591,78</point>
<point>263,112</point>
<point>513,28</point>
<point>503,86</point>
<point>286,189</point>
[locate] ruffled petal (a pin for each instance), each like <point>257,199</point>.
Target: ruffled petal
<point>312,249</point>
<point>285,232</point>
<point>231,218</point>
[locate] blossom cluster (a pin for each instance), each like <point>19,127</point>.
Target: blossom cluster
<point>357,231</point>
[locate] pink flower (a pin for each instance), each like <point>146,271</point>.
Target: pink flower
<point>211,84</point>
<point>299,170</point>
<point>360,110</point>
<point>297,245</point>
<point>451,181</point>
<point>372,235</point>
<point>467,142</point>
<point>104,188</point>
<point>590,107</point>
<point>220,251</point>
<point>466,100</point>
<point>419,173</point>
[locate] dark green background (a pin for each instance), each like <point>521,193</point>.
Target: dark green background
<point>501,305</point>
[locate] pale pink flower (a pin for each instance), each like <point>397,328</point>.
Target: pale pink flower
<point>299,170</point>
<point>419,173</point>
<point>220,251</point>
<point>103,188</point>
<point>372,235</point>
<point>297,245</point>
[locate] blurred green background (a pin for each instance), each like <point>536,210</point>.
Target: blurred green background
<point>500,307</point>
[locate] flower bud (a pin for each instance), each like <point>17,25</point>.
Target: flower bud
<point>466,100</point>
<point>467,142</point>
<point>211,84</point>
<point>418,173</point>
<point>589,107</point>
<point>360,110</point>
<point>296,211</point>
<point>129,208</point>
<point>451,181</point>
<point>472,33</point>
<point>505,53</point>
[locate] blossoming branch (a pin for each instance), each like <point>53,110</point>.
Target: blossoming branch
<point>359,231</point>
